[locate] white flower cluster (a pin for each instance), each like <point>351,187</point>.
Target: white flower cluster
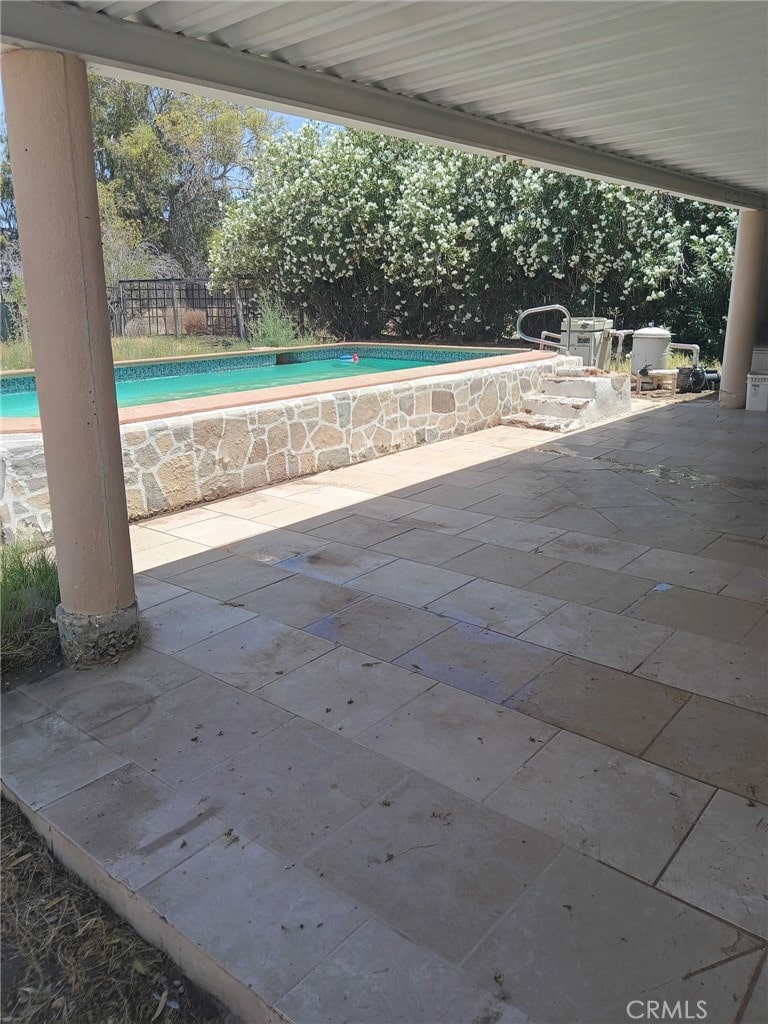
<point>365,231</point>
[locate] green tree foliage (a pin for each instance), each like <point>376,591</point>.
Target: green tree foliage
<point>167,163</point>
<point>364,232</point>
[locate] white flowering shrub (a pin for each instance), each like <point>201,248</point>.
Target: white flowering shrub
<point>368,234</point>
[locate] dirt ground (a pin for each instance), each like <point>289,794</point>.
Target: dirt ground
<point>68,958</point>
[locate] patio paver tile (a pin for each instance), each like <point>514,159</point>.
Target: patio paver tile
<point>150,591</point>
<point>453,496</point>
<point>229,577</point>
<point>452,737</point>
<point>724,618</point>
<point>295,787</point>
<point>584,937</point>
<point>757,1008</point>
<point>749,585</point>
<point>512,533</point>
<point>734,673</point>
<point>47,758</point>
<point>718,744</point>
<point>134,824</point>
<point>585,584</point>
<point>190,729</point>
<point>271,939</point>
<point>299,600</point>
<point>747,551</point>
<point>600,703</point>
<point>504,609</point>
<point>254,653</point>
<point>585,548</point>
<point>428,546</point>
<point>384,629</point>
<point>17,707</point>
<point>595,635</point>
<point>520,506</point>
<point>441,879</point>
<point>377,975</point>
<point>412,583</point>
<point>360,530</point>
<point>222,531</point>
<point>89,699</point>
<point>502,565</point>
<point>722,865</point>
<point>275,545</point>
<point>335,562</point>
<point>605,803</point>
<point>682,569</point>
<point>442,519</point>
<point>480,661</point>
<point>174,557</point>
<point>345,691</point>
<point>176,624</point>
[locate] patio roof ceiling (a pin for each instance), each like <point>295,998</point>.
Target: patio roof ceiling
<point>664,95</point>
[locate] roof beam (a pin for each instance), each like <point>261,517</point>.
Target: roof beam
<point>144,53</point>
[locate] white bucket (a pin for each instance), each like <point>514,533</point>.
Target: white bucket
<point>757,392</point>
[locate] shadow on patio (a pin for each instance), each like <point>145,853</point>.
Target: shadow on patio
<point>473,732</point>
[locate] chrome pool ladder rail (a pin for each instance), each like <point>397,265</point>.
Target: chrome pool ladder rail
<point>547,338</point>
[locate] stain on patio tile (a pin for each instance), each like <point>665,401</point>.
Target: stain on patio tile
<point>722,865</point>
<point>747,551</point>
<point>577,791</point>
<point>272,937</point>
<point>584,937</point>
<point>376,975</point>
<point>176,624</point>
<point>382,628</point>
<point>89,699</point>
<point>438,867</point>
<point>275,545</point>
<point>456,739</point>
<point>295,787</point>
<point>336,563</point>
<point>190,729</point>
<point>134,824</point>
<point>47,758</point>
<point>595,635</point>
<point>717,743</point>
<point>490,665</point>
<point>254,653</point>
<point>708,614</point>
<point>345,691</point>
<point>600,703</point>
<point>734,673</point>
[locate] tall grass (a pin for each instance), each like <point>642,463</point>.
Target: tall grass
<point>17,355</point>
<point>276,327</point>
<point>29,593</point>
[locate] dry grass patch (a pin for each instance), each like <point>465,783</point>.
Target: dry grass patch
<point>68,958</point>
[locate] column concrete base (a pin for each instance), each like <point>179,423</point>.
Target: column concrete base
<point>88,640</point>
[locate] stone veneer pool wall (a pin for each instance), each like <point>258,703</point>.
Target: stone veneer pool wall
<point>179,461</point>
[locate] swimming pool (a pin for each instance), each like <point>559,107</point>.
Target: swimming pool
<point>149,383</point>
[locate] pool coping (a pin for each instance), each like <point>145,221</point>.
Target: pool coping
<point>237,399</point>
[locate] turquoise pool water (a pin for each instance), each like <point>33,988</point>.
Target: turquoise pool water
<point>219,382</point>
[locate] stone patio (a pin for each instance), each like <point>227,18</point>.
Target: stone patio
<point>472,733</point>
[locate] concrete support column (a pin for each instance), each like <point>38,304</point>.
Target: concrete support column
<point>744,313</point>
<point>51,151</point>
